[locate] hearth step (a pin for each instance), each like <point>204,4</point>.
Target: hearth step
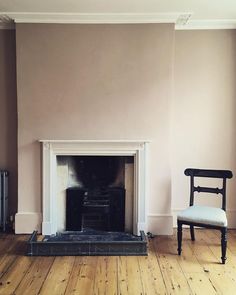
<point>88,243</point>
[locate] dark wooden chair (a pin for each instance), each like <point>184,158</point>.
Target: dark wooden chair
<point>204,216</point>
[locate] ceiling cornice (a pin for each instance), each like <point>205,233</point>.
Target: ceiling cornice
<point>182,20</point>
<point>217,24</point>
<point>93,18</point>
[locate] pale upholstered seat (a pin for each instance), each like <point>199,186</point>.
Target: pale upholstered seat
<point>204,216</point>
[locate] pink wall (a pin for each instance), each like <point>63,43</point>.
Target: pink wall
<point>204,111</point>
<point>93,82</point>
<point>115,82</point>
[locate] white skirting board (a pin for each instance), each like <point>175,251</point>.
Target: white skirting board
<point>27,222</point>
<point>160,224</point>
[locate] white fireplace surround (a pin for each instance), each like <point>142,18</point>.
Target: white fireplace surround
<point>53,148</point>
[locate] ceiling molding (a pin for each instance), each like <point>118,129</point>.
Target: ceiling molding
<point>93,18</point>
<point>182,21</point>
<point>221,24</point>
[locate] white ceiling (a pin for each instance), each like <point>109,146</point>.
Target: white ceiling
<point>186,13</point>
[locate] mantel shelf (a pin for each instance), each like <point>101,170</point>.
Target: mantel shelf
<point>95,140</point>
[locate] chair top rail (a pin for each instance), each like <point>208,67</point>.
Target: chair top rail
<point>208,173</point>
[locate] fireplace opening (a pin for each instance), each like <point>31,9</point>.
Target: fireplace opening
<point>95,193</point>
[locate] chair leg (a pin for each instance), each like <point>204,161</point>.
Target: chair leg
<point>223,244</point>
<point>192,232</point>
<point>179,237</point>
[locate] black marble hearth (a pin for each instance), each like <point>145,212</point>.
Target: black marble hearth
<point>90,243</point>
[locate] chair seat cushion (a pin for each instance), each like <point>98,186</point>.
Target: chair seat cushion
<point>204,215</point>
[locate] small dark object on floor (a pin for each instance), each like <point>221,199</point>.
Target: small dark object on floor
<point>150,235</point>
<point>88,242</point>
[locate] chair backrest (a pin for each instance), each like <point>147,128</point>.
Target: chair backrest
<point>207,173</point>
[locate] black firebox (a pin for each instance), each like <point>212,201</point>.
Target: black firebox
<point>96,208</point>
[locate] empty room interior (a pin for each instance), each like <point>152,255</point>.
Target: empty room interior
<point>117,147</point>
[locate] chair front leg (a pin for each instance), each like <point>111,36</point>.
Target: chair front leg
<point>179,236</point>
<point>192,232</point>
<point>223,244</point>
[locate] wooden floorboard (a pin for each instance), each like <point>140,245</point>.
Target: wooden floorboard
<point>197,271</point>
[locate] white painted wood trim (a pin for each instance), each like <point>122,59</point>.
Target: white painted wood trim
<point>92,18</point>
<point>160,224</point>
<point>214,24</point>
<point>95,141</point>
<point>177,18</point>
<point>118,18</point>
<point>159,214</point>
<point>53,148</point>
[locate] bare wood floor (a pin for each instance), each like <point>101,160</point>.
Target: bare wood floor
<point>197,271</point>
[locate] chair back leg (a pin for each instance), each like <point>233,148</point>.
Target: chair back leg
<point>223,244</point>
<point>179,237</point>
<point>192,232</point>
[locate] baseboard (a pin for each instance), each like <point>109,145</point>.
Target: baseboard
<point>160,224</point>
<point>27,222</point>
<point>231,217</point>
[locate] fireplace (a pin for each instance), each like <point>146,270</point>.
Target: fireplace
<point>95,194</point>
